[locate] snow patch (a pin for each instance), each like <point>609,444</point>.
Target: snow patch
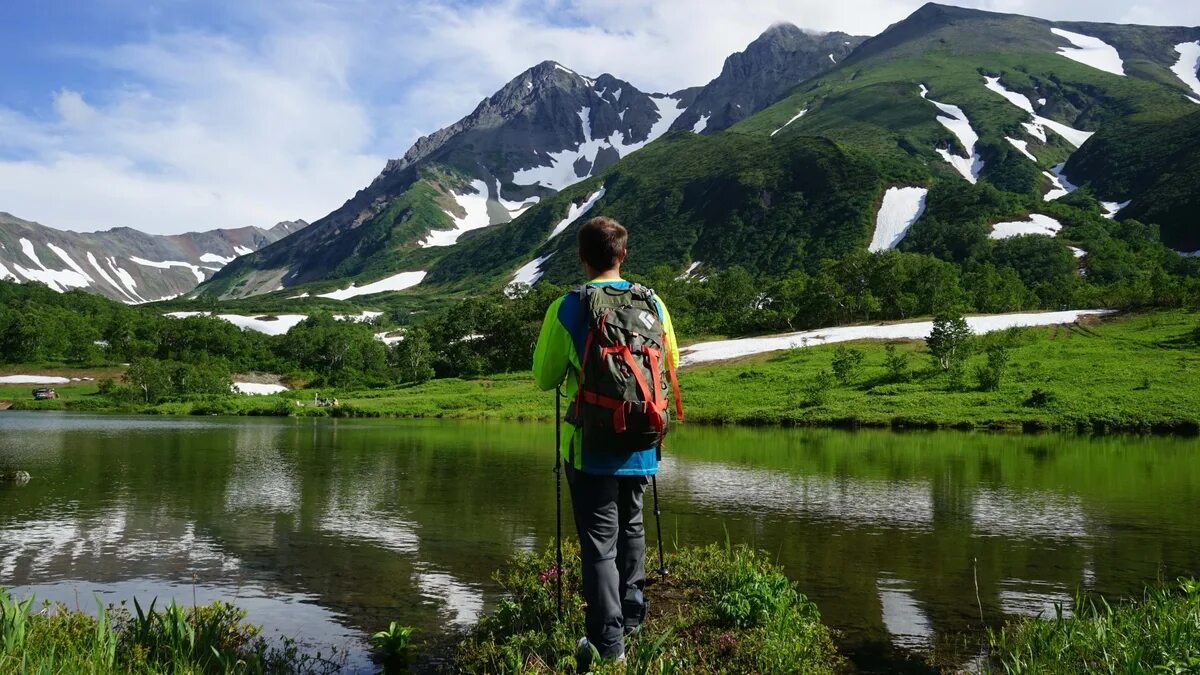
<point>1111,209</point>
<point>5,274</point>
<point>687,273</point>
<point>1188,65</point>
<point>215,259</point>
<point>256,389</point>
<point>721,350</point>
<point>530,272</point>
<point>126,279</point>
<point>701,124</point>
<point>475,206</point>
<point>797,116</point>
<point>1091,51</point>
<point>954,119</point>
<point>396,282</point>
<point>559,171</point>
<point>901,208</point>
<point>1077,252</point>
<point>515,209</point>
<point>32,379</point>
<point>831,59</point>
<point>168,264</point>
<point>1038,127</point>
<point>575,212</point>
<point>57,280</point>
<point>1022,146</point>
<point>105,276</point>
<point>242,250</point>
<point>270,324</point>
<point>1037,224</point>
<point>1061,187</point>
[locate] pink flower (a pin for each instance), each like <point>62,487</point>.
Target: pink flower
<point>552,573</point>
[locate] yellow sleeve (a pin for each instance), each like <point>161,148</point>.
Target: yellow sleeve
<point>669,333</point>
<point>552,354</point>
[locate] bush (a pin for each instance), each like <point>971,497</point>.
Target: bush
<point>990,374</point>
<point>846,363</point>
<point>816,390</point>
<point>896,363</point>
<point>950,341</point>
<point>1040,398</point>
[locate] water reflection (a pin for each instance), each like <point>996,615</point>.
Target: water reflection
<point>333,528</point>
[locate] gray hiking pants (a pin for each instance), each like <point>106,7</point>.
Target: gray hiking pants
<point>612,541</point>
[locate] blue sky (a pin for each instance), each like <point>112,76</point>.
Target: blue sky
<point>176,115</point>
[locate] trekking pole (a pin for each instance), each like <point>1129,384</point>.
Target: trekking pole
<point>662,567</point>
<point>558,492</point>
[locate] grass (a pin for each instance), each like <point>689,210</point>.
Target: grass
<point>1134,372</point>
<point>721,610</point>
<point>1160,633</point>
<point>53,639</point>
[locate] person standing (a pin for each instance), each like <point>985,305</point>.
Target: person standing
<point>613,343</point>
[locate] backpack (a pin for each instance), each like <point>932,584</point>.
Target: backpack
<point>624,372</point>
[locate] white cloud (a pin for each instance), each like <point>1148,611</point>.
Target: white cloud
<point>290,114</point>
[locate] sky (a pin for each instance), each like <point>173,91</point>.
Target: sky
<point>181,115</point>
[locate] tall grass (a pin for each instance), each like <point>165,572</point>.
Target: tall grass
<point>1158,634</point>
<point>178,640</point>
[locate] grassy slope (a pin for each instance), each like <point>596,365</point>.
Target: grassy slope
<point>1096,374</point>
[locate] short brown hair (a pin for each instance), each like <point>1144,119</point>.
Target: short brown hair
<point>602,242</point>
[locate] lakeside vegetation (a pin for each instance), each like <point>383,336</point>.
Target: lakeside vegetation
<point>1135,372</point>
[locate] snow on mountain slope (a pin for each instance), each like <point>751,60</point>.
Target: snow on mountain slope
<point>474,205</point>
<point>122,264</point>
<point>1188,65</point>
<point>1037,224</point>
<point>530,272</point>
<point>396,282</point>
<point>900,209</point>
<point>1021,146</point>
<point>1091,51</point>
<point>575,212</point>
<point>800,114</point>
<point>721,350</point>
<point>954,119</point>
<point>1038,127</point>
<point>1060,186</point>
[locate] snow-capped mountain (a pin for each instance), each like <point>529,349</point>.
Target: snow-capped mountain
<point>767,70</point>
<point>122,263</point>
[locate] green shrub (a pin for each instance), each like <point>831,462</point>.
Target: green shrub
<point>846,362</point>
<point>896,363</point>
<point>990,374</point>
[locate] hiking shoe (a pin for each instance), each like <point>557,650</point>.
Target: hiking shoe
<point>633,630</point>
<point>585,656</point>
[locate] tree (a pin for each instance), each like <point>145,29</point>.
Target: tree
<point>950,341</point>
<point>413,356</point>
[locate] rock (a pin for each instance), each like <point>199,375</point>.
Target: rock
<point>14,477</point>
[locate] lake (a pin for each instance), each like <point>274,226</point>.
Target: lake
<point>326,530</point>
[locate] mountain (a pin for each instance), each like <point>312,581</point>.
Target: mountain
<point>125,264</point>
<point>944,135</point>
<point>769,68</point>
<point>544,131</point>
<point>987,118</point>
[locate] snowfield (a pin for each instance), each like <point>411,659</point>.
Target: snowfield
<point>530,272</point>
<point>32,379</point>
<point>1091,51</point>
<point>1111,209</point>
<point>575,213</point>
<point>956,121</point>
<point>475,206</point>
<point>256,389</point>
<point>168,264</point>
<point>515,209</point>
<point>279,325</point>
<point>1061,187</point>
<point>1187,65</point>
<point>797,116</point>
<point>59,280</point>
<point>1037,224</point>
<point>1022,147</point>
<point>560,173</point>
<point>687,273</point>
<point>701,124</point>
<point>396,282</point>
<point>215,259</point>
<point>900,209</point>
<point>721,350</point>
<point>1038,127</point>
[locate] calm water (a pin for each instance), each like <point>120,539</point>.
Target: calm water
<point>328,529</point>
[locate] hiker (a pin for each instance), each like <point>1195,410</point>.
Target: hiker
<point>619,336</point>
